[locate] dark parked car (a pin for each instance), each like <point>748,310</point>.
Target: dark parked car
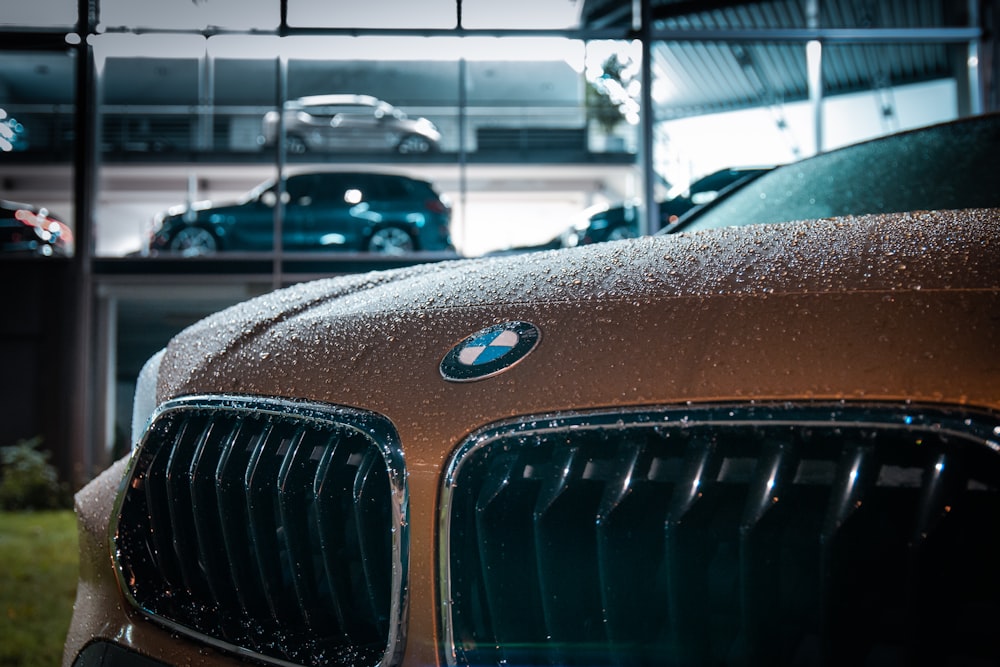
<point>359,211</point>
<point>774,444</point>
<point>31,230</point>
<point>349,123</point>
<point>951,165</point>
<point>622,221</point>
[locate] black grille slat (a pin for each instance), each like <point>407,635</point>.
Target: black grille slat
<point>374,557</point>
<point>333,524</point>
<point>275,546</point>
<point>940,605</point>
<point>709,533</point>
<point>565,535</point>
<point>181,513</point>
<point>327,544</point>
<point>869,558</point>
<point>339,518</point>
<point>923,576</point>
<point>159,543</point>
<point>230,491</point>
<point>503,510</point>
<point>764,527</point>
<point>212,559</point>
<point>294,484</point>
<point>941,482</point>
<point>630,546</point>
<point>857,473</point>
<point>260,485</point>
<point>686,634</point>
<point>612,513</point>
<point>810,535</point>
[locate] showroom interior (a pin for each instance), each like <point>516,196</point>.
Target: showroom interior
<point>525,117</point>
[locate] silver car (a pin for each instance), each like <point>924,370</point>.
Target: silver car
<point>349,123</point>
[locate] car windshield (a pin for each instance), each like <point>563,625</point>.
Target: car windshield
<point>949,166</point>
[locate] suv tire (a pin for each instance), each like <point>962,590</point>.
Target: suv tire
<point>194,241</point>
<point>391,240</point>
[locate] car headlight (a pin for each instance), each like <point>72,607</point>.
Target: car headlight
<point>144,402</point>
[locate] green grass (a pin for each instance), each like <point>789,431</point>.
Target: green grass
<point>38,572</point>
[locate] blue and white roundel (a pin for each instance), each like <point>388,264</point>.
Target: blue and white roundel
<point>489,351</point>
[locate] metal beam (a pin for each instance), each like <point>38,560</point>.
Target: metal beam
<point>80,436</point>
<point>825,35</point>
<point>650,221</point>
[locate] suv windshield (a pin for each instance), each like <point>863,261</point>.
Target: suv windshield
<point>949,166</point>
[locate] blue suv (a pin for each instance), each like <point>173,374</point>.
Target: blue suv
<point>353,211</point>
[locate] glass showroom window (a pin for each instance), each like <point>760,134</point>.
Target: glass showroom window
<point>40,14</point>
<point>729,106</point>
<point>719,105</point>
<point>495,143</point>
<point>225,14</point>
<point>153,111</point>
<point>437,14</point>
<point>549,112</point>
<point>37,96</point>
<point>896,87</point>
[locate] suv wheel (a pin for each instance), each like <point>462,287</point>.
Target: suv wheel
<point>295,145</point>
<point>194,241</point>
<point>391,241</point>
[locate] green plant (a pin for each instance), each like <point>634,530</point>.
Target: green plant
<point>27,480</point>
<point>607,96</point>
<point>602,109</point>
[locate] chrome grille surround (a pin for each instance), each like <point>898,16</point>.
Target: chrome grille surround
<point>807,533</point>
<point>270,528</point>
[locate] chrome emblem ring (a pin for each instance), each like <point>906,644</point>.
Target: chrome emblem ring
<point>490,351</point>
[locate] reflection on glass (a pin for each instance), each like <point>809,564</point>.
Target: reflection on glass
<point>36,151</point>
<point>381,14</point>
<point>39,13</point>
<point>359,123</point>
<point>147,105</point>
<point>28,230</point>
<point>320,210</point>
<point>198,15</point>
<point>726,105</point>
<point>613,86</point>
<point>522,14</point>
<point>12,133</point>
<point>180,125</point>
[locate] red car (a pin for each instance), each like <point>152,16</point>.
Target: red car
<point>30,230</point>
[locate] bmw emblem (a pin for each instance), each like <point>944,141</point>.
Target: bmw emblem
<point>489,351</point>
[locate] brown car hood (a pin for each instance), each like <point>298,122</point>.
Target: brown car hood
<point>901,306</point>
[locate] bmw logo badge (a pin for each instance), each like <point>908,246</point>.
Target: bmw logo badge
<point>489,351</point>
